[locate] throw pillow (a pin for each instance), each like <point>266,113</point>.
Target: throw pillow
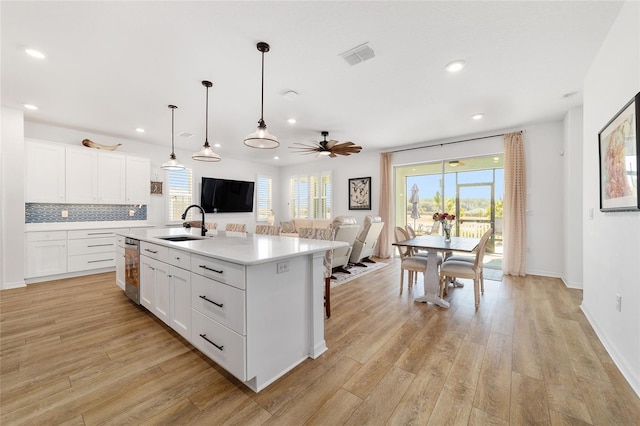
<point>288,227</point>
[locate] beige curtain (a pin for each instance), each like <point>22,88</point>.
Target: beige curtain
<point>383,247</point>
<point>514,209</point>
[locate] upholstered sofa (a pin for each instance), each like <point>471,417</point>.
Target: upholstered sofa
<point>291,227</point>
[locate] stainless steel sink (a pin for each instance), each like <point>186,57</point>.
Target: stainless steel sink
<point>179,238</point>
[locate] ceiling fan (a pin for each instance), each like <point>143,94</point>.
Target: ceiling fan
<point>326,147</point>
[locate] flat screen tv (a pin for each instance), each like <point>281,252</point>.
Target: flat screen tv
<point>226,196</point>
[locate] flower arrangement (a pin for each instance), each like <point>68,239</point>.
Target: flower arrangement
<point>445,219</point>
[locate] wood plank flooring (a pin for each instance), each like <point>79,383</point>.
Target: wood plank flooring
<point>77,352</point>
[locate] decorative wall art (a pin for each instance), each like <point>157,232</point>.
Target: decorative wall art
<point>619,161</point>
<point>360,193</point>
<point>156,188</point>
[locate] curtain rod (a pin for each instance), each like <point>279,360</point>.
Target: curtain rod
<point>452,142</point>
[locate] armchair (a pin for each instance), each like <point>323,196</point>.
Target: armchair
<point>347,229</point>
<point>365,244</point>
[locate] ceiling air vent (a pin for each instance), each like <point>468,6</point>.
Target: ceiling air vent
<point>358,54</point>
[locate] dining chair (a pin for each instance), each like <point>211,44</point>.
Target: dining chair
<point>326,234</point>
<point>268,229</point>
<point>471,259</point>
<point>420,252</point>
<point>236,227</point>
<point>463,269</point>
<point>408,262</point>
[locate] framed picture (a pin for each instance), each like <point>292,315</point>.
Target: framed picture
<point>619,161</point>
<point>360,193</point>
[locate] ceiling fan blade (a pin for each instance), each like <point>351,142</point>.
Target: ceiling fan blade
<point>330,144</point>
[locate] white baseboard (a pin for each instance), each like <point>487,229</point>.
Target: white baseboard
<point>68,275</point>
<point>570,284</point>
<point>16,284</point>
<point>615,355</point>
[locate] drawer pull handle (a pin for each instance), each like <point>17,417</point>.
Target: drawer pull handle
<point>101,260</point>
<point>100,245</point>
<point>100,233</point>
<point>220,305</point>
<point>210,269</point>
<point>151,251</point>
<point>220,347</point>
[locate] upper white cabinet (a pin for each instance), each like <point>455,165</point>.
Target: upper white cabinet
<point>138,177</point>
<point>45,172</point>
<point>82,176</point>
<point>67,174</point>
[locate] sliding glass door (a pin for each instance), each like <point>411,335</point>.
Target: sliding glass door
<point>470,188</point>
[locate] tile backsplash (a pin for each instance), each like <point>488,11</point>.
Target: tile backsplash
<point>47,213</point>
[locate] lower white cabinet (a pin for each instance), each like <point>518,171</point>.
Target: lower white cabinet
<point>180,301</point>
<point>154,287</point>
<point>46,253</point>
<point>120,267</point>
<point>165,290</point>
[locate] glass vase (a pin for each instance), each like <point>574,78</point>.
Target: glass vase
<point>447,232</point>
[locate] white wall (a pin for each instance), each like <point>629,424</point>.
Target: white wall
<point>12,197</point>
<point>572,158</point>
<point>612,240</point>
<point>227,168</point>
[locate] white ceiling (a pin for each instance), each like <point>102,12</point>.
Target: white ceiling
<point>113,66</point>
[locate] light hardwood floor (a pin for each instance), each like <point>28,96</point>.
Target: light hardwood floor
<point>76,351</point>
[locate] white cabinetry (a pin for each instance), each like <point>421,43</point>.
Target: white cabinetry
<point>138,180</point>
<point>45,172</point>
<point>165,289</point>
<point>46,253</point>
<point>120,262</point>
<point>91,249</point>
<point>93,176</point>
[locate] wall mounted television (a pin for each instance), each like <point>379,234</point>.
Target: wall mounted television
<point>226,195</point>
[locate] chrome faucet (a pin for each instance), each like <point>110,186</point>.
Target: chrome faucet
<point>203,228</point>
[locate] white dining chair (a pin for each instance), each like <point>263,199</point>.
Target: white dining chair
<point>408,262</point>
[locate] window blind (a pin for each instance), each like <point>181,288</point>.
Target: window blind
<point>179,194</point>
<point>264,198</point>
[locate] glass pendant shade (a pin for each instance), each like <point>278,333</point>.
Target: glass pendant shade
<point>261,138</point>
<point>206,153</point>
<point>172,164</point>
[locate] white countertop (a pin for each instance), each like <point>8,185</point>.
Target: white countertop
<point>72,226</point>
<point>248,250</point>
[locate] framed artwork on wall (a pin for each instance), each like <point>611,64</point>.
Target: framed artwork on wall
<point>360,193</point>
<point>619,161</point>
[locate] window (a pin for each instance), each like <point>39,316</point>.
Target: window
<point>310,196</point>
<point>179,194</point>
<point>263,198</point>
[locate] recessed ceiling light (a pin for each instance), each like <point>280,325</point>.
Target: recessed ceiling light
<point>455,66</point>
<point>29,106</point>
<point>478,116</point>
<point>496,159</point>
<point>217,145</point>
<point>276,158</point>
<point>35,53</point>
<point>140,130</point>
<point>291,121</point>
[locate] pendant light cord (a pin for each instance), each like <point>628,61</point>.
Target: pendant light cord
<point>206,119</point>
<point>262,94</point>
<point>172,132</point>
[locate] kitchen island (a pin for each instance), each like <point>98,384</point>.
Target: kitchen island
<point>254,304</point>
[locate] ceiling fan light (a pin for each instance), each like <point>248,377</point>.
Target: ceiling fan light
<point>325,153</point>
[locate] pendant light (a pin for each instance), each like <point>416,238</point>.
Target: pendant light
<point>261,138</point>
<point>206,153</point>
<point>172,163</point>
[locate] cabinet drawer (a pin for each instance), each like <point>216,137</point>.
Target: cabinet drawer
<point>155,251</point>
<point>179,258</point>
<point>219,270</point>
<point>86,262</point>
<point>218,301</point>
<point>94,233</point>
<point>91,245</point>
<point>220,344</point>
<point>47,236</point>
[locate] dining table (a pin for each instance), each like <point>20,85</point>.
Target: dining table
<point>434,244</point>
